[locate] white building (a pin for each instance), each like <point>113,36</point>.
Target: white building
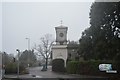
<point>59,49</point>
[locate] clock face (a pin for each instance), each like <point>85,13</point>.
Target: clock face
<point>61,34</point>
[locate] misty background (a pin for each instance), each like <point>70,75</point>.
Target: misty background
<point>33,20</point>
<point>0,26</point>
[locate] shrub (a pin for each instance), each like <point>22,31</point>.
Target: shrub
<point>117,62</point>
<point>11,68</point>
<point>72,67</point>
<point>84,67</point>
<point>58,65</point>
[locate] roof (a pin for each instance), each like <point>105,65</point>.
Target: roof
<point>61,27</point>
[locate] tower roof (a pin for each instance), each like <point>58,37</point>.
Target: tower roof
<point>61,26</point>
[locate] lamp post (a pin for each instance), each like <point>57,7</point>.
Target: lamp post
<point>18,62</point>
<point>28,49</point>
<point>28,43</point>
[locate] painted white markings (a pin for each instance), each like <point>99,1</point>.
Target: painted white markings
<point>35,76</point>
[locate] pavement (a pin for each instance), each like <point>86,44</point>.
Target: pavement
<point>35,72</point>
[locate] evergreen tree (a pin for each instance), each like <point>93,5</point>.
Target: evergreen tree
<point>28,57</point>
<point>102,39</point>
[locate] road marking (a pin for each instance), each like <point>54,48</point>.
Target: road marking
<point>36,76</point>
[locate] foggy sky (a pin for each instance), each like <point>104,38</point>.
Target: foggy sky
<point>35,19</point>
<point>0,26</point>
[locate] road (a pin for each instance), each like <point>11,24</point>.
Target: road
<point>50,74</point>
<point>35,72</point>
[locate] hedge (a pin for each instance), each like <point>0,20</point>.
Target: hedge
<point>72,67</point>
<point>11,68</point>
<point>85,67</point>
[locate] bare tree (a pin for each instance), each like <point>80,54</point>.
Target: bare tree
<point>44,48</point>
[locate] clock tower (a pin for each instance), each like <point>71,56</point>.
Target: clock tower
<point>61,35</point>
<point>59,50</point>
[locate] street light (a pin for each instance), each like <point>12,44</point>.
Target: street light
<point>28,49</point>
<point>28,43</point>
<point>18,62</point>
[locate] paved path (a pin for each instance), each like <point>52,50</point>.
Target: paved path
<point>36,72</point>
<point>50,74</point>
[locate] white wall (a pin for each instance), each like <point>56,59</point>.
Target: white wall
<point>60,51</point>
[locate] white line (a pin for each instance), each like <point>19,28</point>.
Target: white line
<point>36,76</point>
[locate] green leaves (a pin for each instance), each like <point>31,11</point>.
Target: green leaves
<point>28,57</point>
<point>102,39</point>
